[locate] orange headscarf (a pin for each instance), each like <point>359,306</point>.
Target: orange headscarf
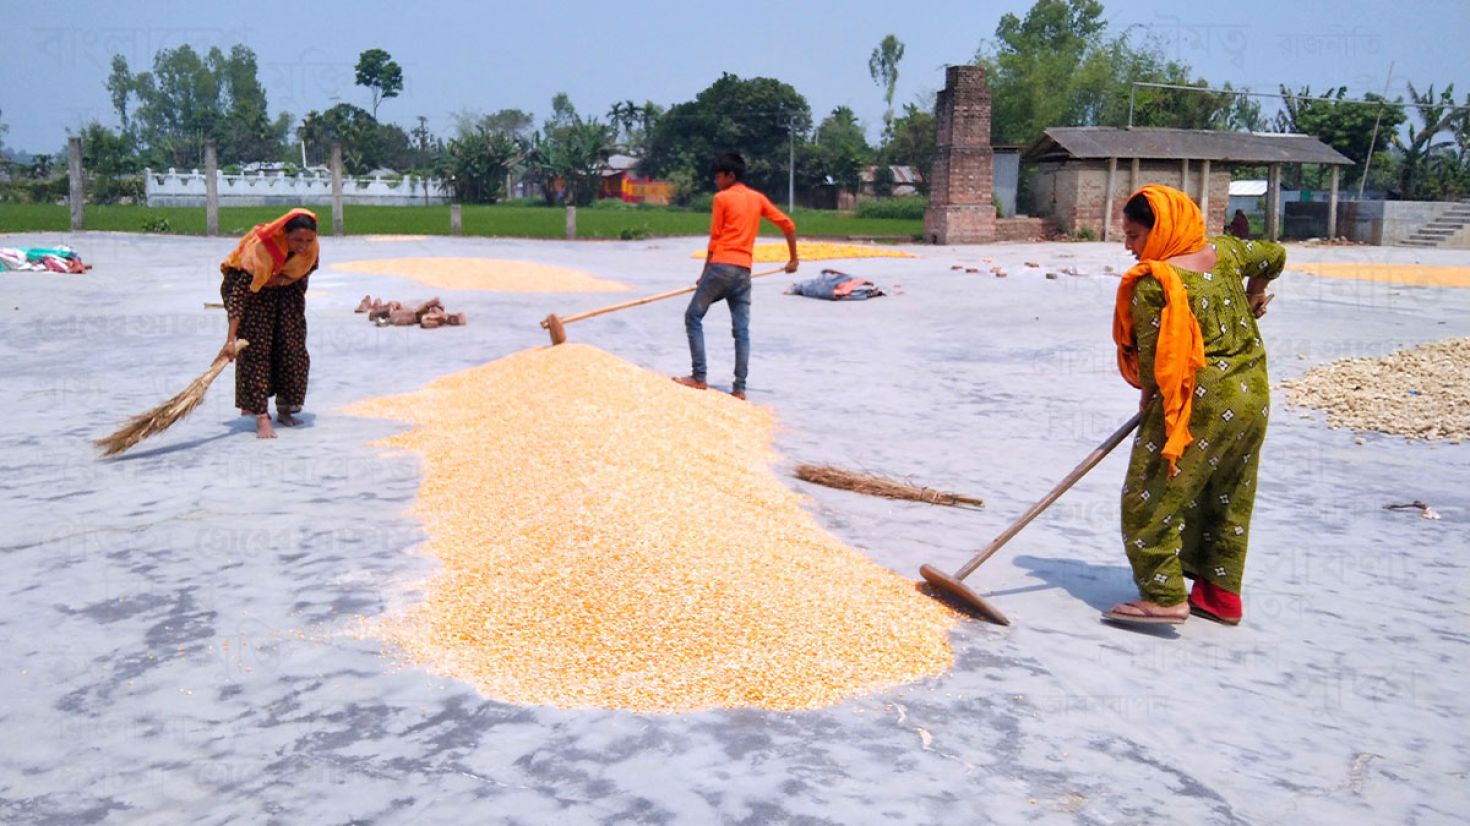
<point>1178,229</point>
<point>264,254</point>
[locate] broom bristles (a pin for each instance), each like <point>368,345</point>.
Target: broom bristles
<point>160,418</point>
<point>874,485</point>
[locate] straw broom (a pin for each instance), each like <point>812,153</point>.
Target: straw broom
<point>874,485</point>
<point>164,415</point>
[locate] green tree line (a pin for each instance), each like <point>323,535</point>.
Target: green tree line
<point>1059,64</point>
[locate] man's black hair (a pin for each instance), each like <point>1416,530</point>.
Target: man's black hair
<point>732,163</point>
<point>301,222</point>
<point>1138,211</point>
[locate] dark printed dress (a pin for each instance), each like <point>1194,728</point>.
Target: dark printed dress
<point>1197,523</point>
<point>275,363</point>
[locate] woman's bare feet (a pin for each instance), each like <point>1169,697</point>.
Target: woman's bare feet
<point>263,429</point>
<point>287,419</point>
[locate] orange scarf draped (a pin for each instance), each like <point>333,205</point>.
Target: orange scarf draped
<point>264,254</point>
<point>1178,229</point>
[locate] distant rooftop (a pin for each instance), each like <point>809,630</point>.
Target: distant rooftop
<point>1100,142</point>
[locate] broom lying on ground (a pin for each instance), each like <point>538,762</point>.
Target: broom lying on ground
<point>874,485</point>
<point>163,416</point>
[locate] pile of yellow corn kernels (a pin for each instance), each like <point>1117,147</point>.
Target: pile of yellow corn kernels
<point>612,539</point>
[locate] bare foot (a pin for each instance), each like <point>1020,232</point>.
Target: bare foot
<point>286,419</point>
<point>739,394</point>
<point>690,381</point>
<point>263,429</point>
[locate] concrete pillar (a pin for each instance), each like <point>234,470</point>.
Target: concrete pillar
<point>1204,193</point>
<point>337,189</point>
<point>1184,176</point>
<point>77,193</point>
<point>456,223</point>
<point>1332,204</point>
<point>211,188</point>
<point>571,222</point>
<point>1273,203</point>
<point>1107,228</point>
<point>1134,178</point>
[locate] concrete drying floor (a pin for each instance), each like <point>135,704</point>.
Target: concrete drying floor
<point>178,626</point>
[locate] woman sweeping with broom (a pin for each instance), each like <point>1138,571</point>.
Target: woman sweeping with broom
<point>264,291</point>
<point>1185,326</point>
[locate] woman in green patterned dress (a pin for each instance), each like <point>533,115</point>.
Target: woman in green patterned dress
<point>1185,325</point>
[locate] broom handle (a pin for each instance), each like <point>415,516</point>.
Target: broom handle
<point>1077,473</point>
<point>636,302</point>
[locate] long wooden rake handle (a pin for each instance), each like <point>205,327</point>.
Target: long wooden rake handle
<point>1078,472</point>
<point>546,323</point>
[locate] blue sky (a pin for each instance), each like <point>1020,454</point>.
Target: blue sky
<point>490,55</point>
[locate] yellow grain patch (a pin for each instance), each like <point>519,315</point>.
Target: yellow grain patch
<point>777,253</point>
<point>1414,275</point>
<point>611,539</point>
<point>489,274</point>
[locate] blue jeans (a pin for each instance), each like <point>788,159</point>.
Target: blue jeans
<point>732,284</point>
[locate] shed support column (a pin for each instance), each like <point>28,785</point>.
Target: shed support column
<point>1107,227</point>
<point>1133,177</point>
<point>1184,176</point>
<point>1273,203</point>
<point>1332,205</point>
<point>1204,192</point>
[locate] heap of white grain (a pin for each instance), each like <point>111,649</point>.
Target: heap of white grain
<point>612,539</point>
<point>1422,392</point>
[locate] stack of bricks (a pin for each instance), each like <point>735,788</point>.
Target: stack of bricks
<point>960,207</point>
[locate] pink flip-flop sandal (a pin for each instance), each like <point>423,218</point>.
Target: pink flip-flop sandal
<point>1143,617</point>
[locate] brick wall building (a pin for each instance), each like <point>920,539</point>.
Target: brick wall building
<point>1073,167</point>
<point>1074,193</point>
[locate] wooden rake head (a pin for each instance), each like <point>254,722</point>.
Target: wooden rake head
<point>553,325</point>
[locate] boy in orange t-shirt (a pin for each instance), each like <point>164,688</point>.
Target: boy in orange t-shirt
<point>734,222</point>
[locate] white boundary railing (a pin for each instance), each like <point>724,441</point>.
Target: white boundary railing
<point>175,188</point>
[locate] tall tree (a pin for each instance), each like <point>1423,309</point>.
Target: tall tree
<point>180,106</point>
<point>883,68</point>
<point>1423,147</point>
<point>382,75</point>
<point>843,150</point>
<point>1057,67</point>
<point>354,127</point>
<point>120,88</point>
<point>757,117</point>
<point>246,131</point>
<point>913,142</point>
<point>187,99</point>
<point>1346,126</point>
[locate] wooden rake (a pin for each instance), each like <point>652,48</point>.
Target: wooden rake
<point>556,325</point>
<point>952,588</point>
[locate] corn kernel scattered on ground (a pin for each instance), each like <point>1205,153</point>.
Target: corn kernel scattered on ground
<point>611,539</point>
